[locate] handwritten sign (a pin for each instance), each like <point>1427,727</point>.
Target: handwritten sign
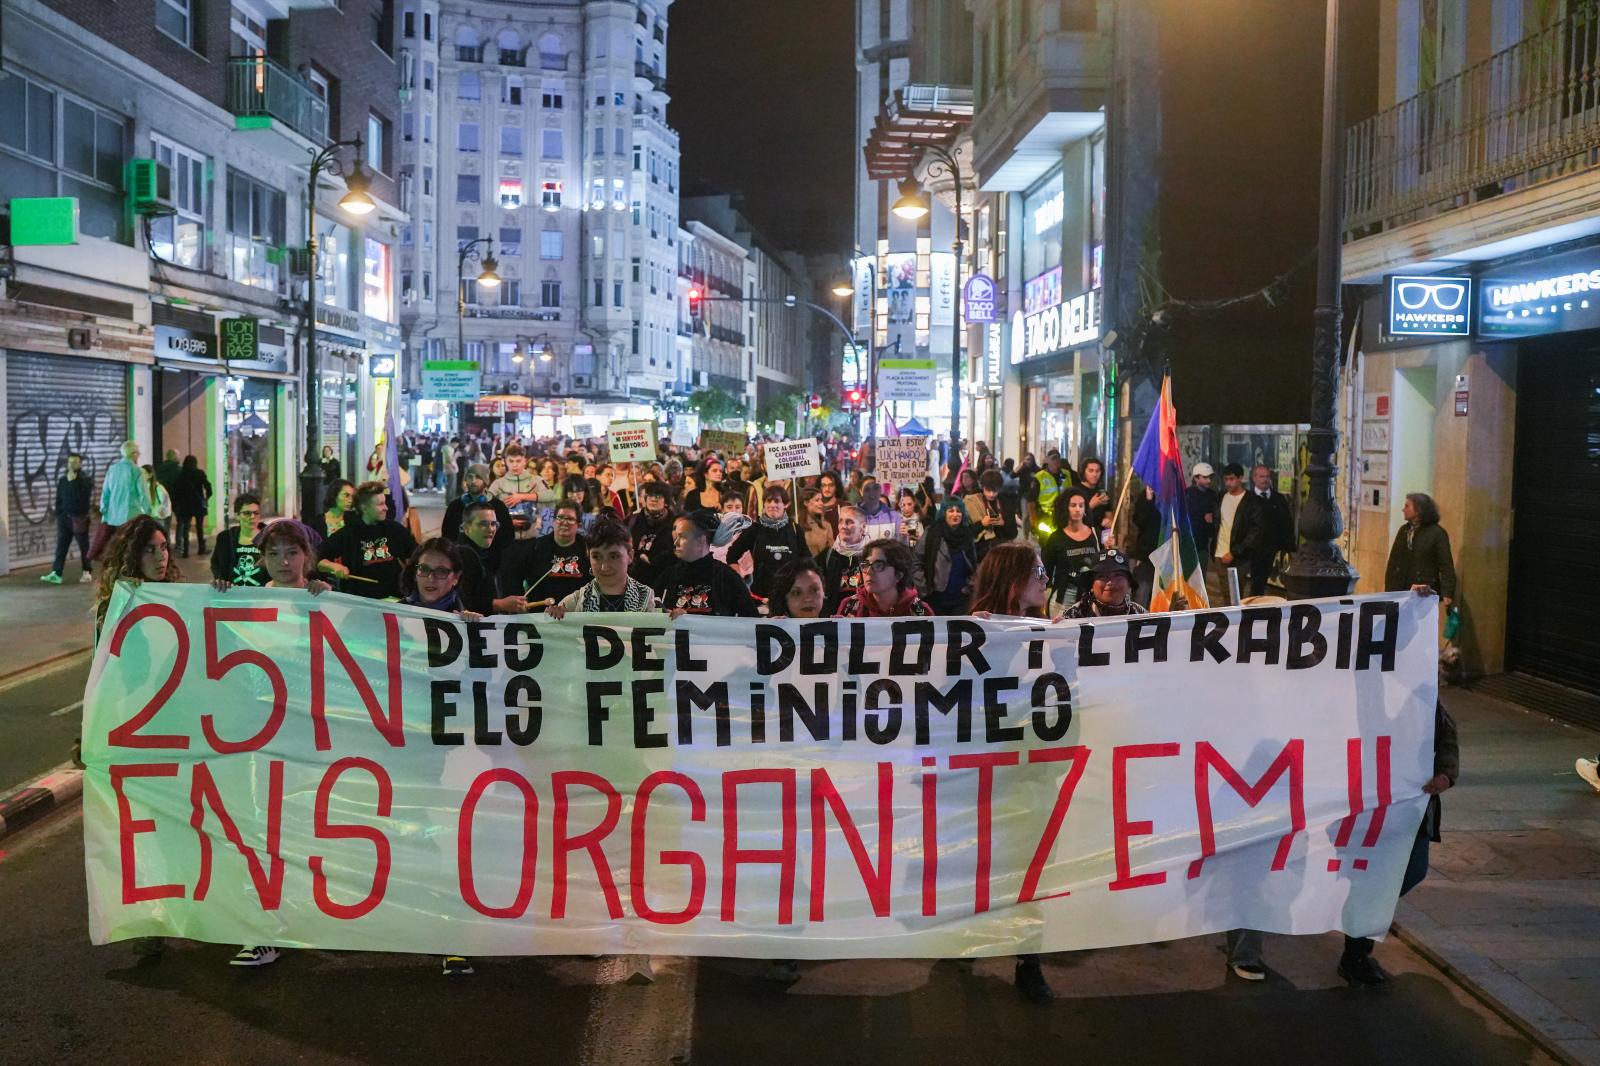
<point>632,442</point>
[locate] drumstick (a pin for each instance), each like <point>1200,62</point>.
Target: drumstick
<point>368,580</point>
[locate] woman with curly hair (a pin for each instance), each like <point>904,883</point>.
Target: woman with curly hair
<point>139,552</point>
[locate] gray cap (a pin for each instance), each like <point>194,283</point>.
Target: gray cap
<point>481,471</point>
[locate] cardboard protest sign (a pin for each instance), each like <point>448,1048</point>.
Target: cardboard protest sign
<point>901,460</point>
<point>720,440</point>
<point>632,442</point>
<point>269,767</point>
<point>793,458</point>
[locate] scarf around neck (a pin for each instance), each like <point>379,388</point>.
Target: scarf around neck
<point>773,523</point>
<point>849,549</point>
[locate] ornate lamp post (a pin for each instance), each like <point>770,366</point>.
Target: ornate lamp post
<point>358,202</point>
<point>1319,568</point>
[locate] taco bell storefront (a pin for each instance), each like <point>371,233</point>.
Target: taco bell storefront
<point>1482,389</point>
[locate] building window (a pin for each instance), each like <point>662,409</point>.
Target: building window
<point>553,97</point>
<point>636,153</point>
<point>467,137</point>
<point>255,228</point>
<point>616,294</point>
<point>408,126</point>
<point>469,189</point>
<point>427,233</point>
<point>599,293</point>
<point>510,140</point>
<point>468,48</point>
<point>550,294</point>
<point>175,19</point>
<point>510,47</point>
<point>638,211</point>
<point>551,55</point>
<point>427,127</point>
<point>427,26</point>
<point>427,74</point>
<point>408,23</point>
<point>510,240</point>
<point>468,85</point>
<point>510,292</point>
<point>65,149</point>
<point>599,140</point>
<point>427,286</point>
<point>619,194</point>
<point>619,144</point>
<point>511,90</point>
<point>469,292</point>
<point>465,235</point>
<point>427,181</point>
<point>181,238</point>
<point>377,291</point>
<point>636,269</point>
<point>377,143</point>
<point>550,244</point>
<point>510,193</point>
<point>550,195</point>
<point>598,241</point>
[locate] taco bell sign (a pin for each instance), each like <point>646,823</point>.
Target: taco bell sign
<point>979,294</point>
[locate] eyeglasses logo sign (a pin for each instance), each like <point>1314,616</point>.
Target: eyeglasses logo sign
<point>1430,306</point>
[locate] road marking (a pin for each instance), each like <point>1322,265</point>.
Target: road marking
<point>68,709</point>
<point>54,665</point>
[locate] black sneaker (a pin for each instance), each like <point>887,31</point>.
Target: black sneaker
<point>1363,973</point>
<point>1031,983</point>
<point>783,971</point>
<point>457,966</point>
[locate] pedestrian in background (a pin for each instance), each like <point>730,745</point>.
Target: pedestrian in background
<point>1200,500</point>
<point>190,502</point>
<point>122,498</point>
<point>1421,552</point>
<point>167,471</point>
<point>160,503</point>
<point>1272,527</point>
<point>330,464</point>
<point>74,491</point>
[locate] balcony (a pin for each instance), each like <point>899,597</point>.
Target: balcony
<point>264,96</point>
<point>538,314</point>
<point>1523,117</point>
<point>648,73</point>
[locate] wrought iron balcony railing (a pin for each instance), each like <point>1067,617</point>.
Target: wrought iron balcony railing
<point>1524,115</point>
<point>259,87</point>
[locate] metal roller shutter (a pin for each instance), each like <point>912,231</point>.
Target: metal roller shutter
<point>57,405</point>
<point>1553,628</point>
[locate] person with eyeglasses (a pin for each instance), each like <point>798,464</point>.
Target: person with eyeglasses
<point>553,566</point>
<point>482,558</point>
<point>369,553</point>
<point>889,586</point>
<point>235,558</point>
<point>475,489</point>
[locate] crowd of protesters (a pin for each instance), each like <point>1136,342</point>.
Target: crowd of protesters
<point>553,526</point>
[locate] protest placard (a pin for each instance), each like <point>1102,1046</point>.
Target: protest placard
<point>790,789</point>
<point>632,442</point>
<point>722,442</point>
<point>901,460</point>
<point>793,458</point>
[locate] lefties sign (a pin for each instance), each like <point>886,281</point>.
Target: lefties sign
<point>1429,306</point>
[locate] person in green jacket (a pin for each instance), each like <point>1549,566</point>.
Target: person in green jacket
<point>1421,552</point>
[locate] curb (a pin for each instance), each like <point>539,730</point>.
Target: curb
<point>1542,1040</point>
<point>22,672</point>
<point>33,801</point>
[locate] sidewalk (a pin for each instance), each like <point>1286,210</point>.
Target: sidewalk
<point>59,620</point>
<point>1512,903</point>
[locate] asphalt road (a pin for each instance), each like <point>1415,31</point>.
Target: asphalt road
<point>62,999</point>
<point>39,720</point>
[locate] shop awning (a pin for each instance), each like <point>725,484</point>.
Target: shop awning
<point>914,117</point>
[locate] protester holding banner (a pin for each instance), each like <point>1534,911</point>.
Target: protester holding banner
<point>370,549</point>
<point>652,535</point>
<point>137,552</point>
<point>476,490</point>
<point>697,583</point>
<point>949,558</point>
<point>1110,590</point>
<point>889,589</point>
<point>482,557</point>
<point>555,565</point>
<point>612,589</point>
<point>235,559</point>
<point>1072,550</point>
<point>797,591</point>
<point>1011,582</point>
<point>432,577</point>
<point>842,561</point>
<point>773,541</point>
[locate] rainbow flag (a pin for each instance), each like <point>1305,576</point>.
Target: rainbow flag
<point>1159,464</point>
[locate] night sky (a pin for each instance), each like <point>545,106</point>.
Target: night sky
<point>763,98</point>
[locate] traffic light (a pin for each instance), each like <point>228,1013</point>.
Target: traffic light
<point>696,304</point>
<point>855,399</point>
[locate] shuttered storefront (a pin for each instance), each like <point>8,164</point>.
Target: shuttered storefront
<point>1553,623</point>
<point>57,405</point>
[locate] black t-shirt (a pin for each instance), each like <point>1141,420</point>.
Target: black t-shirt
<point>1070,563</point>
<point>842,577</point>
<point>379,552</point>
<point>548,571</point>
<point>652,550</point>
<point>235,563</point>
<point>707,586</point>
<point>480,576</point>
<point>771,549</point>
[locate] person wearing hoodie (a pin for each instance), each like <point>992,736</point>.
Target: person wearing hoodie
<point>841,562</point>
<point>652,535</point>
<point>949,558</point>
<point>773,541</point>
<point>697,583</point>
<point>890,590</point>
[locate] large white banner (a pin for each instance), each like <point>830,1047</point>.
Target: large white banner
<point>268,767</point>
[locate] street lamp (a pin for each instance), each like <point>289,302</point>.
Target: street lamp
<point>356,201</point>
<point>843,287</point>
<point>913,205</point>
<point>1319,568</point>
<point>545,353</point>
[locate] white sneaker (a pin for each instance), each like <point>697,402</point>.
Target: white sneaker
<point>1589,770</point>
<point>254,956</point>
<point>86,578</point>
